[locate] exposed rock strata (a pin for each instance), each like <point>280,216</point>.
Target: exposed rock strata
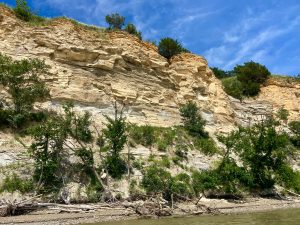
<point>94,68</point>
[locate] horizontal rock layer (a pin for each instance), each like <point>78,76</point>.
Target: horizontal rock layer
<point>94,68</point>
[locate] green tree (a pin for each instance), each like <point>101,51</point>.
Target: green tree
<point>251,75</point>
<point>47,152</point>
<point>23,11</point>
<point>131,29</point>
<point>192,119</point>
<point>115,21</point>
<point>169,47</point>
<point>263,151</point>
<point>54,140</point>
<point>22,81</point>
<point>115,134</point>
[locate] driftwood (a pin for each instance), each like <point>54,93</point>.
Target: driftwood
<point>11,208</point>
<point>292,193</point>
<point>29,205</point>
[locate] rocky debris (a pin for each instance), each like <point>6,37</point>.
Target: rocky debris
<point>250,111</point>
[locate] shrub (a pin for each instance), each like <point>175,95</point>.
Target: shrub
<point>138,164</point>
<point>23,11</point>
<point>204,181</point>
<point>94,193</point>
<point>233,178</point>
<point>162,145</point>
<point>115,133</point>
<point>295,128</point>
<point>220,74</point>
<point>246,81</point>
<point>181,186</point>
<point>282,114</point>
<point>226,179</point>
<point>142,134</point>
<point>165,162</point>
<point>156,180</point>
<point>233,87</point>
<point>206,145</point>
<point>251,89</point>
<point>115,21</point>
<point>192,120</point>
<point>15,183</point>
<point>252,72</point>
<point>287,177</point>
<point>169,47</point>
<point>131,29</point>
<point>251,75</point>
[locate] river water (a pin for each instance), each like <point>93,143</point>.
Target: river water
<point>280,217</point>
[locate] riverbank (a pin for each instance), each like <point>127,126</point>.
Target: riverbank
<point>122,211</point>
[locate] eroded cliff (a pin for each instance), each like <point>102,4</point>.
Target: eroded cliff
<point>93,68</point>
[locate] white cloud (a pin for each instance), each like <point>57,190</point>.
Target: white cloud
<point>251,38</point>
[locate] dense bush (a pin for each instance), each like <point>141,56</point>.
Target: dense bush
<point>192,120</point>
<point>156,180</point>
<point>131,29</point>
<point>115,21</point>
<point>252,72</point>
<point>226,179</point>
<point>246,80</point>
<point>5,117</point>
<point>20,121</point>
<point>204,181</point>
<point>233,87</point>
<point>169,47</point>
<point>263,152</point>
<point>251,75</point>
<point>23,11</point>
<point>181,186</point>
<point>220,74</point>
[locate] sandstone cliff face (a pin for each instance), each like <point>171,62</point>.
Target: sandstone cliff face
<point>94,68</point>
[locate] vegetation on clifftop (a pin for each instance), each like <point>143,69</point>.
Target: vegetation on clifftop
<point>244,80</point>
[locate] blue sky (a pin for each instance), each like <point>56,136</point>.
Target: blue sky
<point>226,32</point>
